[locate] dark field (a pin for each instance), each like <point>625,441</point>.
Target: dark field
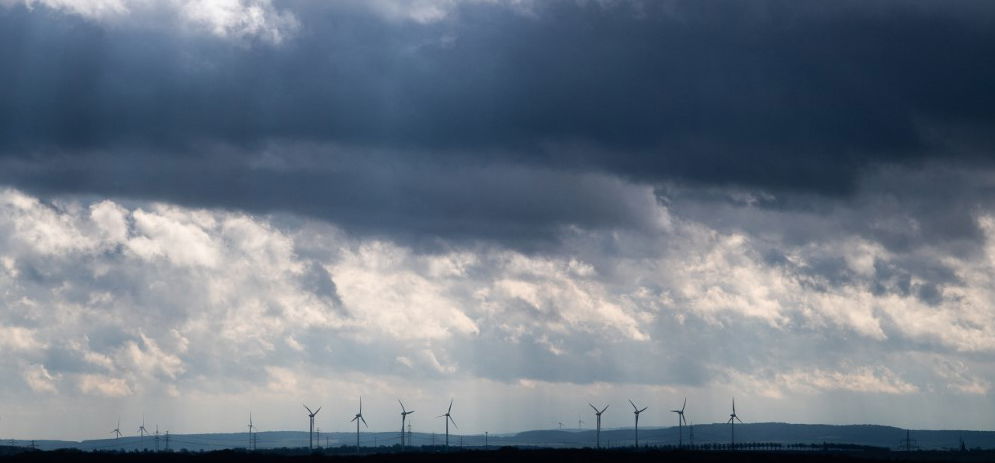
<point>505,455</point>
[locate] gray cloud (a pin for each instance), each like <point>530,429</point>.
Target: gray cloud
<point>773,96</point>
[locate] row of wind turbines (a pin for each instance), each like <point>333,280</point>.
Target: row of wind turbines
<point>681,422</point>
<point>359,418</point>
<point>448,418</point>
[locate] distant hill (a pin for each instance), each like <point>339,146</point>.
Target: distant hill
<point>781,433</point>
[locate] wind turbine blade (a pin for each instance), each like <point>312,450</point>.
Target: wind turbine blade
<point>308,409</point>
<point>318,410</point>
<point>354,418</point>
<point>592,406</point>
<point>402,405</point>
<point>450,406</point>
<point>364,421</point>
<point>633,405</point>
<point>737,419</point>
<point>643,410</point>
<point>733,405</point>
<point>440,416</point>
<point>685,404</point>
<point>606,408</point>
<point>454,421</point>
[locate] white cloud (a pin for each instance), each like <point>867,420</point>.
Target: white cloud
<point>16,338</point>
<point>159,300</point>
<point>230,19</point>
<point>39,379</point>
<point>104,386</point>
<point>427,11</point>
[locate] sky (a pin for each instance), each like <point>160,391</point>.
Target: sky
<point>209,207</point>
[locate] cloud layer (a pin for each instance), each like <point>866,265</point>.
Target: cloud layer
<point>154,300</point>
<point>210,203</point>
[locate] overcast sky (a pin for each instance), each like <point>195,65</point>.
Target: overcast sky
<point>212,206</point>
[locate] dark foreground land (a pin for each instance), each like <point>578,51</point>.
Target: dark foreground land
<point>505,455</point>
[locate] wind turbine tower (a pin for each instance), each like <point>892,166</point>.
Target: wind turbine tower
<point>598,413</point>
<point>404,416</point>
<point>357,419</point>
<point>636,411</point>
<point>680,423</point>
<point>732,423</point>
<point>691,433</point>
<point>142,431</point>
<point>310,433</point>
<point>251,440</point>
<point>448,418</point>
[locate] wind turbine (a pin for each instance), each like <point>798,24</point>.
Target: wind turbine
<point>598,414</point>
<point>448,419</point>
<point>404,416</point>
<point>310,434</point>
<point>636,411</point>
<point>732,423</point>
<point>250,431</point>
<point>680,423</point>
<point>357,419</point>
<point>142,431</point>
<point>117,430</point>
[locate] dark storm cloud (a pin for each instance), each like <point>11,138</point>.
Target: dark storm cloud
<point>778,95</point>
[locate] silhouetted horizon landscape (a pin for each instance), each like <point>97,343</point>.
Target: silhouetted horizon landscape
<point>707,436</point>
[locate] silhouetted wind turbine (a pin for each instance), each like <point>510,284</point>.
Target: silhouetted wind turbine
<point>250,431</point>
<point>448,419</point>
<point>117,430</point>
<point>404,416</point>
<point>680,423</point>
<point>357,419</point>
<point>142,431</point>
<point>310,433</point>
<point>732,423</point>
<point>636,411</point>
<point>598,413</point>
